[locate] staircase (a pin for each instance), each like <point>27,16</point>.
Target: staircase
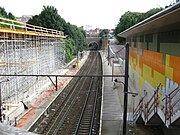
<point>152,113</point>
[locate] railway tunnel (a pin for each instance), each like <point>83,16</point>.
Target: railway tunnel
<point>93,45</point>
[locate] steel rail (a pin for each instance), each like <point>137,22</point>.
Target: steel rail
<point>73,83</point>
<point>94,109</point>
<point>83,109</point>
<point>68,103</point>
<point>72,101</point>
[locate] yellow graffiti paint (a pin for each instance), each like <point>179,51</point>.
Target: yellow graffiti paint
<point>169,72</point>
<point>159,78</point>
<point>167,59</point>
<point>140,82</point>
<point>147,73</point>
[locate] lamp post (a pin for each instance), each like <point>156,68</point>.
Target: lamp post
<point>125,107</point>
<point>1,108</point>
<point>126,88</point>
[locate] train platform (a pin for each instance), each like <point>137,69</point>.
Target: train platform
<point>113,98</point>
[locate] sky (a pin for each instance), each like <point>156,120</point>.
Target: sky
<point>96,13</point>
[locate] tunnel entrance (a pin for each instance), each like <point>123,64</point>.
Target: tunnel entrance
<point>93,46</point>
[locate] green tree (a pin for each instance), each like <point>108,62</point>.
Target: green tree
<point>69,43</point>
<point>152,12</point>
<point>103,33</point>
<point>131,18</point>
<point>11,16</point>
<point>35,20</point>
<point>5,14</point>
<point>50,18</point>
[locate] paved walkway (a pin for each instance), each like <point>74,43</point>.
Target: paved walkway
<point>112,111</point>
<point>113,100</point>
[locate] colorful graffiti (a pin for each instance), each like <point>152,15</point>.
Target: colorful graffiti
<point>151,67</point>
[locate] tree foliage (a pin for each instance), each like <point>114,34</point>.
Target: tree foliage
<point>50,18</point>
<point>131,18</point>
<point>103,33</point>
<point>5,14</point>
<point>69,43</point>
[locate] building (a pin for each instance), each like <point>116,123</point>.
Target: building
<point>93,33</point>
<point>155,66</point>
<point>24,18</point>
<point>86,27</point>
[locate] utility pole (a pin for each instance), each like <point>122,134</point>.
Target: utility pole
<point>126,88</point>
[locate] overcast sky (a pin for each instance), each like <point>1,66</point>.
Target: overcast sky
<point>97,13</point>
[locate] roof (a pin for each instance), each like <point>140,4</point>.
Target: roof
<point>160,22</point>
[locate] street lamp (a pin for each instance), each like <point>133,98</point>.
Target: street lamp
<point>1,108</point>
<point>125,107</point>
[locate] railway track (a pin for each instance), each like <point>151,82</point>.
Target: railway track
<point>76,111</point>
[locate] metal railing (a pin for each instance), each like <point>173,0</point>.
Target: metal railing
<point>153,103</point>
<point>138,110</point>
<point>170,107</point>
<point>170,103</point>
<point>8,24</point>
<point>147,108</point>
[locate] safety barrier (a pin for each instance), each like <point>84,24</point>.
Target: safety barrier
<point>16,26</point>
<point>169,109</point>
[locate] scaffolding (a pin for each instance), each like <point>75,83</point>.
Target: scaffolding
<point>27,49</point>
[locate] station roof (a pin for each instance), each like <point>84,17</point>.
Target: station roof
<point>165,20</point>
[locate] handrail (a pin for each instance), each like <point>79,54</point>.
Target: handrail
<point>155,97</point>
<point>17,25</point>
<point>175,103</point>
<point>176,90</point>
<point>168,108</point>
<point>154,103</point>
<point>138,109</point>
<point>138,105</point>
<point>171,93</point>
<point>5,19</point>
<point>149,108</point>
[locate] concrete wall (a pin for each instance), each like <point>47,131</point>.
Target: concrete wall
<point>154,60</point>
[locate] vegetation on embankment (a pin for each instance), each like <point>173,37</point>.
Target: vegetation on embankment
<point>49,18</point>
